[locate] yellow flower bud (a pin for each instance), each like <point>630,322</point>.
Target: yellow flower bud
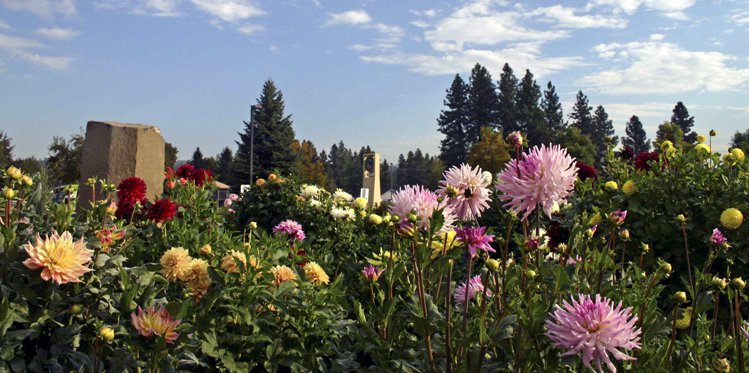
<point>106,333</point>
<point>9,193</point>
<point>76,309</point>
<point>701,138</point>
<point>629,188</point>
<point>375,219</point>
<point>206,249</point>
<point>738,283</point>
<point>722,366</point>
<point>492,264</point>
<point>666,268</point>
<point>14,172</point>
<point>611,185</point>
<point>530,273</point>
<point>253,225</point>
<point>681,218</point>
<point>680,296</point>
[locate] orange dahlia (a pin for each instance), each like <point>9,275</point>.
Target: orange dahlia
<point>315,274</point>
<point>153,322</point>
<point>282,273</point>
<point>176,263</point>
<point>61,259</point>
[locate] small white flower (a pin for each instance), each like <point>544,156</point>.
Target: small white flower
<point>341,196</point>
<point>342,213</point>
<point>310,191</point>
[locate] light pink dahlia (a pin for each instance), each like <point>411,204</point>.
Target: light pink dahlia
<point>544,177</point>
<point>465,189</point>
<point>61,259</point>
<point>476,239</point>
<point>421,201</point>
<point>594,329</point>
<point>290,228</point>
<point>470,290</point>
<point>155,323</point>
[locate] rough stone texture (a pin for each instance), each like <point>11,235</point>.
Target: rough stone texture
<point>371,178</point>
<point>115,151</point>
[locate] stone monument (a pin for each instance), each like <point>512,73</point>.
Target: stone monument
<point>371,180</point>
<point>115,151</point>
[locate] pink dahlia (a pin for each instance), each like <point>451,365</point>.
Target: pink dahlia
<point>594,329</point>
<point>544,177</point>
<point>155,323</point>
<point>717,238</point>
<point>476,239</point>
<point>372,273</point>
<point>470,289</point>
<point>291,229</point>
<point>466,191</point>
<point>422,202</point>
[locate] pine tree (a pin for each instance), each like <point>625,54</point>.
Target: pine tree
<point>225,161</point>
<point>308,166</point>
<point>452,123</point>
<point>552,108</point>
<point>170,155</point>
<point>386,176</point>
<point>671,132</point>
<point>6,151</point>
<point>508,91</point>
<point>484,103</point>
<point>530,117</point>
<point>685,122</point>
<point>580,115</point>
<point>197,159</point>
<point>273,137</point>
<point>636,136</point>
<point>603,133</point>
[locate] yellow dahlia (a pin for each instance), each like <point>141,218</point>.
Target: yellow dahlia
<point>315,274</point>
<point>176,264</point>
<point>155,323</point>
<point>738,155</point>
<point>611,185</point>
<point>446,241</point>
<point>701,139</point>
<point>731,218</point>
<point>61,259</point>
<point>629,188</point>
<point>198,279</point>
<point>702,148</point>
<point>229,262</point>
<point>282,273</point>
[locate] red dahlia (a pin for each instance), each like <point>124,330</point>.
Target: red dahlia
<point>200,176</point>
<point>162,210</point>
<point>585,171</point>
<point>185,171</point>
<point>643,159</point>
<point>131,190</point>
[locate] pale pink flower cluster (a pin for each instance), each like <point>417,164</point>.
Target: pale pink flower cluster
<point>544,177</point>
<point>468,291</point>
<point>291,229</point>
<point>422,202</point>
<point>466,191</point>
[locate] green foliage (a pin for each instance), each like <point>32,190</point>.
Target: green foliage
<point>484,103</point>
<point>64,159</point>
<point>685,122</point>
<point>669,131</point>
<point>6,150</point>
<point>530,117</point>
<point>741,140</point>
<point>170,155</point>
<point>577,144</point>
<point>636,136</point>
<point>491,152</point>
<point>453,123</point>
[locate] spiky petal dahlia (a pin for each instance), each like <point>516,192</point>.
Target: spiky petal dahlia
<point>282,273</point>
<point>594,329</point>
<point>61,259</point>
<point>291,229</point>
<point>476,239</point>
<point>422,202</point>
<point>155,323</point>
<point>544,177</point>
<point>466,191</point>
<point>315,274</point>
<point>469,290</point>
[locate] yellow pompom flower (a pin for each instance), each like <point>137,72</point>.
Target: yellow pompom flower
<point>375,219</point>
<point>737,154</point>
<point>315,274</point>
<point>176,263</point>
<point>611,185</point>
<point>360,203</point>
<point>282,273</point>
<point>701,139</point>
<point>731,218</point>
<point>702,148</point>
<point>198,279</point>
<point>629,188</point>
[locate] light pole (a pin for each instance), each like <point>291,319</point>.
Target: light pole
<point>252,140</point>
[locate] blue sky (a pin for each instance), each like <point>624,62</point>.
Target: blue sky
<point>365,72</point>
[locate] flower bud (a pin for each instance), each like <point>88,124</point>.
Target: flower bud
<point>375,219</point>
<point>645,248</point>
<point>665,267</point>
<point>260,182</point>
<point>9,193</point>
<point>106,333</point>
<point>387,218</point>
<point>624,234</point>
<point>206,249</point>
<point>738,283</point>
<point>681,218</point>
<point>27,180</point>
<point>14,172</point>
<point>680,296</point>
<point>722,365</point>
<point>530,273</point>
<point>487,177</point>
<point>492,264</point>
<point>412,217</point>
<point>701,138</point>
<point>76,309</point>
<point>253,225</point>
<point>611,185</point>
<point>515,139</point>
<point>720,282</point>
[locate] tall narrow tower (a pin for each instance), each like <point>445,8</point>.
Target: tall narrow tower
<point>371,178</point>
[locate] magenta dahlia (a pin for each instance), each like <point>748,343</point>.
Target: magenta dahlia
<point>476,239</point>
<point>594,329</point>
<point>372,273</point>
<point>717,238</point>
<point>422,202</point>
<point>544,177</point>
<point>468,291</point>
<point>465,189</point>
<point>291,229</point>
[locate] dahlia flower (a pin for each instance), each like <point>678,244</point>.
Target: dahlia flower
<point>185,171</point>
<point>282,273</point>
<point>200,176</point>
<point>230,262</point>
<point>422,202</point>
<point>544,176</point>
<point>594,329</point>
<point>731,218</point>
<point>717,238</point>
<point>175,264</point>
<point>585,171</point>
<point>617,217</point>
<point>315,274</point>
<point>107,236</point>
<point>372,273</point>
<point>130,191</point>
<point>476,239</point>
<point>310,191</point>
<point>339,213</point>
<point>738,155</point>
<point>163,209</point>
<point>515,139</point>
<point>643,159</point>
<point>341,196</point>
<point>465,190</point>
<point>627,153</point>
<point>155,323</point>
<point>60,259</point>
<point>291,229</point>
<point>468,291</point>
<point>198,279</point>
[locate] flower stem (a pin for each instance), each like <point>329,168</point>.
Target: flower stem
<point>739,349</point>
<point>689,262</point>
<point>673,338</point>
<point>448,323</point>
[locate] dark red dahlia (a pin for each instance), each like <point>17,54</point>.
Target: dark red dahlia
<point>131,190</point>
<point>585,171</point>
<point>185,171</point>
<point>162,210</point>
<point>643,158</point>
<point>200,176</point>
<point>557,234</point>
<point>627,153</point>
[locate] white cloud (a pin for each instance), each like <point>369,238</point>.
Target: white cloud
<point>428,13</point>
<point>250,29</point>
<point>566,17</point>
<point>660,67</point>
<point>421,24</point>
<point>669,8</point>
<point>12,42</point>
<point>229,10</point>
<point>42,8</point>
<point>351,17</point>
<point>160,8</point>
<point>58,33</point>
<point>19,48</point>
<point>4,25</point>
<point>740,17</point>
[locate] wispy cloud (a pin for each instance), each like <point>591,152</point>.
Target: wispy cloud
<point>42,8</point>
<point>229,10</point>
<point>660,67</point>
<point>669,8</point>
<point>250,29</point>
<point>739,17</point>
<point>567,17</point>
<point>21,48</point>
<point>351,17</point>
<point>58,33</point>
<point>389,36</point>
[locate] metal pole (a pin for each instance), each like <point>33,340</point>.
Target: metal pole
<point>252,141</point>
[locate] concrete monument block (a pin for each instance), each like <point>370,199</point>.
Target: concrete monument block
<point>371,178</point>
<point>115,151</point>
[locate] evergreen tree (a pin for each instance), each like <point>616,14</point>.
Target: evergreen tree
<point>197,159</point>
<point>453,122</point>
<point>685,122</point>
<point>636,136</point>
<point>530,117</point>
<point>308,166</point>
<point>273,137</point>
<point>603,133</point>
<point>580,115</point>
<point>508,91</point>
<point>671,132</point>
<point>386,176</point>
<point>491,152</point>
<point>224,171</point>
<point>6,151</point>
<point>577,144</point>
<point>484,103</point>
<point>170,155</point>
<point>401,172</point>
<point>552,108</point>
<point>741,140</point>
